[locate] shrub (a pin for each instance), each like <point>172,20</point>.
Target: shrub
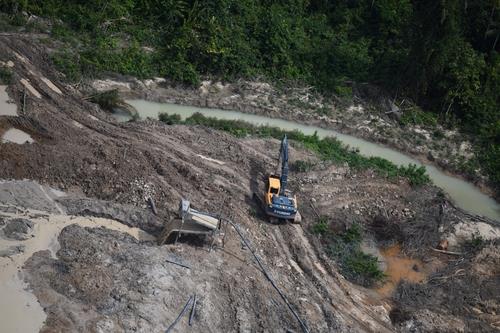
<point>355,265</point>
<point>108,100</point>
<point>363,267</point>
<point>5,76</point>
<point>170,119</point>
<point>302,166</point>
<point>416,174</point>
<point>353,234</point>
<point>68,64</point>
<point>415,116</point>
<point>321,226</point>
<point>475,244</point>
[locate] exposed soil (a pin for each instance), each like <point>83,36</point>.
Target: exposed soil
<point>103,280</point>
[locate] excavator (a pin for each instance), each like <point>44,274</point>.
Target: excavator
<point>278,202</point>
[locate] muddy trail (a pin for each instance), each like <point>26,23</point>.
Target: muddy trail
<point>102,280</point>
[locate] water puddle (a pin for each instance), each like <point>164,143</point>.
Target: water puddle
<point>399,267</point>
<point>17,136</point>
<point>465,195</point>
<point>19,308</point>
<point>7,108</point>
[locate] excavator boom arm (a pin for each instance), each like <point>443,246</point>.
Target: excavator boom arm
<point>284,165</point>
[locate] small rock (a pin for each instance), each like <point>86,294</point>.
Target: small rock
<point>443,245</point>
<point>19,229</point>
<point>12,250</point>
<point>476,311</point>
<point>430,156</point>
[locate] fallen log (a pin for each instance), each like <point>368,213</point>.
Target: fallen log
<point>447,252</point>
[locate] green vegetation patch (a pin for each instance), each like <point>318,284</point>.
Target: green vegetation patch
<point>108,100</point>
<point>345,249</point>
<point>302,166</point>
<point>475,244</point>
<point>5,76</point>
<point>415,116</point>
<point>328,149</point>
<point>321,226</point>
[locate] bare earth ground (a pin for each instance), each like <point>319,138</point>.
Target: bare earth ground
<point>106,281</point>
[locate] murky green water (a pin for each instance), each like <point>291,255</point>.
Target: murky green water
<point>465,195</point>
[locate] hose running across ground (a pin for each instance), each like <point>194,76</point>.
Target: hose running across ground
<point>268,276</point>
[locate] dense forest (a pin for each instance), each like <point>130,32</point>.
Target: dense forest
<point>441,54</point>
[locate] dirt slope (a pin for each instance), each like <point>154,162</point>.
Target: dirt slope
<point>106,281</point>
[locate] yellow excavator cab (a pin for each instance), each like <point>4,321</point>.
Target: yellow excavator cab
<point>274,186</point>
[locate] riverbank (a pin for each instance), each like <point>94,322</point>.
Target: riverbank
<point>368,118</point>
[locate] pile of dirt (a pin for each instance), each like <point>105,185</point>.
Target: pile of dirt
<point>126,214</point>
<point>18,229</point>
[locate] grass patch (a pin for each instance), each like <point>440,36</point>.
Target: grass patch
<point>416,116</point>
<point>302,166</point>
<point>321,226</point>
<point>170,119</point>
<point>345,249</point>
<point>68,64</point>
<point>5,76</point>
<point>252,212</point>
<point>328,149</point>
<point>475,244</point>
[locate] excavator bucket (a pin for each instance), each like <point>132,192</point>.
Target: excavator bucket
<point>191,221</point>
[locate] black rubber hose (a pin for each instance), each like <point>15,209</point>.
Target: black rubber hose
<point>169,329</point>
<point>268,276</point>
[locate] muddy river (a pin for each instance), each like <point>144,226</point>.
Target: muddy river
<point>465,195</point>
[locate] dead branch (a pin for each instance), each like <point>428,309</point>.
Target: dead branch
<point>447,252</point>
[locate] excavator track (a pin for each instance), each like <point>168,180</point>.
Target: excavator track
<point>272,219</point>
